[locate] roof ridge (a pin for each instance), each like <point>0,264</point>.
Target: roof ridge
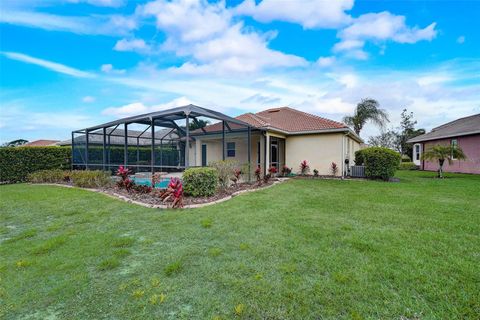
<point>257,118</point>
<point>316,116</point>
<point>454,121</point>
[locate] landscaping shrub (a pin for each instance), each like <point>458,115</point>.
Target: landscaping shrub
<point>315,172</point>
<point>90,178</point>
<point>258,173</point>
<point>286,171</point>
<point>200,182</point>
<point>380,163</point>
<point>125,182</point>
<point>16,163</point>
<point>237,175</point>
<point>224,170</point>
<point>334,169</point>
<point>271,172</point>
<point>49,176</point>
<point>304,168</point>
<point>408,166</point>
<point>359,158</point>
<point>406,158</point>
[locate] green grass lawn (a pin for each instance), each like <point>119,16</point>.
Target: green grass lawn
<point>305,249</point>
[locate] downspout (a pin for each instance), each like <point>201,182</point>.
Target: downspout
<point>343,155</point>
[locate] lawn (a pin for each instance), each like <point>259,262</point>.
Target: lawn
<point>304,249</point>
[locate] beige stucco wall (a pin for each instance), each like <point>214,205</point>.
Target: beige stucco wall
<point>215,149</point>
<point>320,150</point>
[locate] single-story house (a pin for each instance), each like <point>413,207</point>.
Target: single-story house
<point>464,133</point>
<point>282,136</point>
<point>116,137</point>
<point>173,140</point>
<point>41,143</point>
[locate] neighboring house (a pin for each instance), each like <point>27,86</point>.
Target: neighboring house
<point>281,136</point>
<point>41,143</point>
<point>464,132</point>
<point>117,137</point>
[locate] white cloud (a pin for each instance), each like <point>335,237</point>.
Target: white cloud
<point>379,28</point>
<point>101,3</point>
<point>137,108</point>
<point>238,52</point>
<point>326,61</point>
<point>13,119</point>
<point>108,68</point>
<point>211,39</point>
<point>461,40</point>
<point>57,67</point>
<point>188,20</point>
<point>88,99</point>
<point>310,14</point>
<point>262,99</point>
<point>433,79</point>
<point>85,25</point>
<point>135,45</point>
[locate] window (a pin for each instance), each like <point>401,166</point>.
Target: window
<point>454,143</point>
<point>231,149</point>
<point>258,153</point>
<point>417,152</point>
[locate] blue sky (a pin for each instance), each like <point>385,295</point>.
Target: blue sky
<point>70,64</point>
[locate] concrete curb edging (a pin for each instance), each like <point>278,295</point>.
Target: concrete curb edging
<point>117,196</point>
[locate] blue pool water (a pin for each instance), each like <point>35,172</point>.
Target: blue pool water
<point>147,182</point>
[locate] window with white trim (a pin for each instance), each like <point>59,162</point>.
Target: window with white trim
<point>417,152</point>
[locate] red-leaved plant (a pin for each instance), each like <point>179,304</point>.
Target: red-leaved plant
<point>258,173</point>
<point>334,169</point>
<point>174,193</point>
<point>304,168</point>
<point>125,182</point>
<point>237,173</point>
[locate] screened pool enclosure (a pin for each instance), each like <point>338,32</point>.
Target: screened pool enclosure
<point>162,141</point>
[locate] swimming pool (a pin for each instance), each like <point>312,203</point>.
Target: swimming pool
<point>147,182</point>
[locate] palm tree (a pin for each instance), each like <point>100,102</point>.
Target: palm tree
<point>441,153</point>
<point>367,109</point>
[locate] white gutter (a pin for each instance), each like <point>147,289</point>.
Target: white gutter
<point>343,156</point>
<point>292,133</point>
<point>415,140</point>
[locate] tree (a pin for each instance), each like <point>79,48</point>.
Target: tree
<point>198,124</point>
<point>367,110</point>
<point>407,131</point>
<point>15,143</point>
<point>441,153</point>
<point>387,139</point>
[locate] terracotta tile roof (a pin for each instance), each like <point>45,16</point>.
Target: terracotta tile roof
<point>292,120</point>
<point>41,143</point>
<point>284,119</point>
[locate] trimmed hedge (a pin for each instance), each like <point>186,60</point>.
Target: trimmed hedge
<point>200,182</point>
<point>408,166</point>
<point>16,163</point>
<point>380,163</point>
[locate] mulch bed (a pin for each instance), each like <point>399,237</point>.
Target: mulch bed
<point>154,199</point>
